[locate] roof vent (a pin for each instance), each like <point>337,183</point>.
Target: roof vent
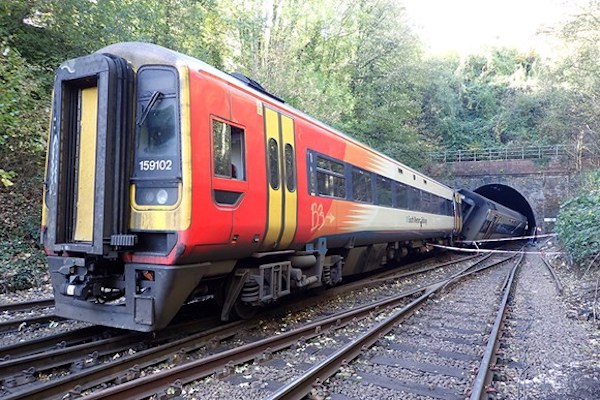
<point>254,85</point>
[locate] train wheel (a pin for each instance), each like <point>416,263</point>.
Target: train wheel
<point>243,310</point>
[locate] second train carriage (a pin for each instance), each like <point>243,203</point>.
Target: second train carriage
<point>168,179</point>
<point>486,219</point>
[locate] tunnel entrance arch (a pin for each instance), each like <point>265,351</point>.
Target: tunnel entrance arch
<point>511,198</point>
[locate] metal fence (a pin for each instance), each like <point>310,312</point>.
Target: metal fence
<point>505,153</point>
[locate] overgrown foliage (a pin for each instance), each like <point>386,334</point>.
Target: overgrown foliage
<point>23,117</point>
<point>22,263</point>
<point>578,222</point>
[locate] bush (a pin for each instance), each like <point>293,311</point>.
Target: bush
<point>24,109</point>
<point>22,261</point>
<point>578,222</point>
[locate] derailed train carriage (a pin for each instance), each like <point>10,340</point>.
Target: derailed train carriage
<point>169,180</point>
<point>485,219</point>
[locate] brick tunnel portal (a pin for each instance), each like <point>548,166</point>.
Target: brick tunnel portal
<point>511,198</point>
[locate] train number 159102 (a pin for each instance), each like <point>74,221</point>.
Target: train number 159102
<point>156,165</point>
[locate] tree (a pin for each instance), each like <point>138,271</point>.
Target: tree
<point>578,220</point>
<point>572,83</point>
<point>483,100</point>
<point>23,116</point>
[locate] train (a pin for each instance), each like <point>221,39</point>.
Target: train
<point>485,219</point>
<point>168,181</point>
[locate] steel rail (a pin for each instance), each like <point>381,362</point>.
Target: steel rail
<point>197,369</point>
<point>108,372</point>
<point>48,343</point>
<point>301,386</point>
<point>484,374</point>
<point>16,324</point>
<point>557,283</point>
<point>97,375</point>
<point>64,355</point>
<point>27,305</point>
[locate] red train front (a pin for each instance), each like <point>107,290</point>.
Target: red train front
<point>169,180</point>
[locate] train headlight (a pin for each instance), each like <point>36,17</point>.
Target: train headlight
<point>148,196</point>
<point>162,196</point>
<point>155,196</point>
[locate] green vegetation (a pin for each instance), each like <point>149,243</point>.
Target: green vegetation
<point>355,64</point>
<point>578,221</point>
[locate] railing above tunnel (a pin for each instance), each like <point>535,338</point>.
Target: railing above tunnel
<point>569,151</point>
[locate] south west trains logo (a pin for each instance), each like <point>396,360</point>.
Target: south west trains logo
<point>416,220</point>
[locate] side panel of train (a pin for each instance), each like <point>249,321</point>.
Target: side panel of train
<point>486,219</point>
<point>192,184</point>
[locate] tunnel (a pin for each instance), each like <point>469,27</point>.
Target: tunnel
<point>510,198</point>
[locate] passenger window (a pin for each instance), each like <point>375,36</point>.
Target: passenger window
<point>384,191</point>
<point>401,196</point>
<point>414,199</point>
<point>273,164</point>
<point>361,186</point>
<point>290,168</point>
<point>330,178</point>
<point>228,146</point>
<point>425,202</point>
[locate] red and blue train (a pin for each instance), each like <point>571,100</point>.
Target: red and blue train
<point>168,180</point>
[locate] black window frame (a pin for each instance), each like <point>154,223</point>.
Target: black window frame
<point>362,188</point>
<point>384,189</point>
<point>234,166</point>
<point>168,167</point>
<point>273,164</point>
<point>289,160</point>
<point>333,173</point>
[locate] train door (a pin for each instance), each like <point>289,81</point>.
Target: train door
<point>229,181</point>
<point>282,202</point>
<point>457,212</point>
<point>491,227</point>
<point>86,194</point>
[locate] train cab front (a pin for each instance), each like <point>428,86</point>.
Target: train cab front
<point>115,190</point>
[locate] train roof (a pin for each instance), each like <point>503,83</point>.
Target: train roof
<point>482,201</point>
<point>141,53</point>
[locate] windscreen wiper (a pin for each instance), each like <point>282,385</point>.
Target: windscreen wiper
<point>151,103</point>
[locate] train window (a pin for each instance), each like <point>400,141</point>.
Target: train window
<point>449,208</point>
<point>384,191</point>
<point>425,202</point>
<point>156,78</point>
<point>273,164</point>
<point>414,199</point>
<point>228,146</point>
<point>330,165</point>
<point>290,168</point>
<point>330,178</point>
<point>158,130</point>
<point>485,226</point>
<point>444,204</point>
<point>157,141</point>
<point>401,196</point>
<point>361,186</point>
<point>329,185</point>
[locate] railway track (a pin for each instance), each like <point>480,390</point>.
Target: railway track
<point>27,305</point>
<point>267,350</point>
<point>42,307</point>
<point>95,357</point>
<point>395,360</point>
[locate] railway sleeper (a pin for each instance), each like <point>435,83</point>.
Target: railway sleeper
<point>26,377</point>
